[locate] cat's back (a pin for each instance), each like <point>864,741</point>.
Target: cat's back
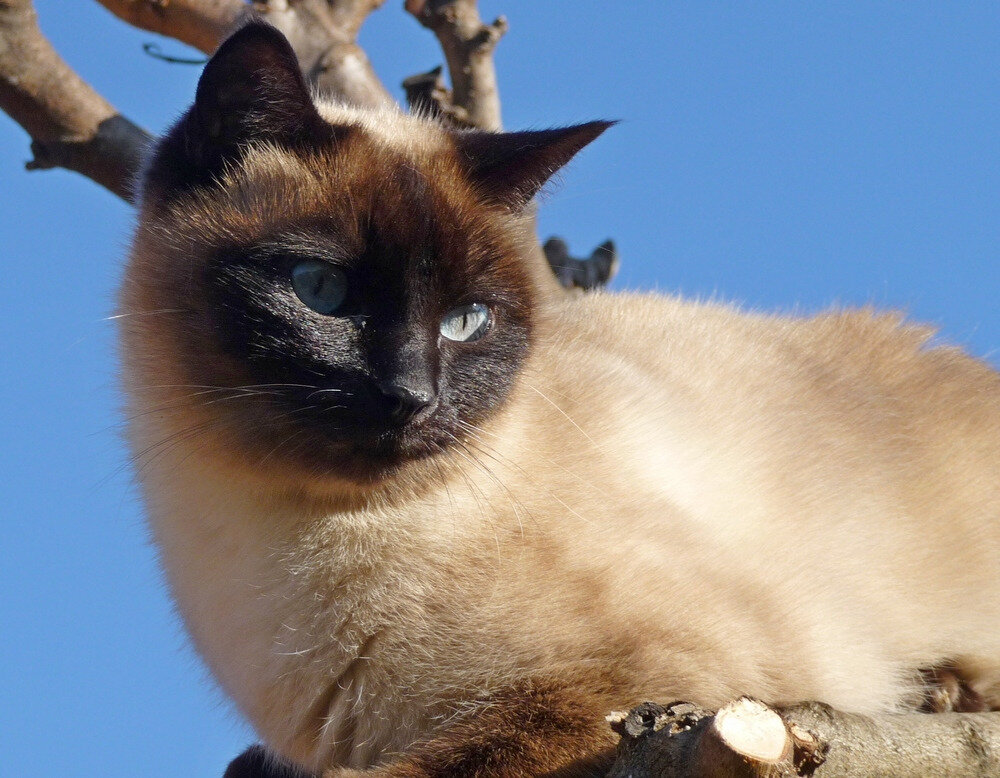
<point>852,427</point>
<point>874,372</point>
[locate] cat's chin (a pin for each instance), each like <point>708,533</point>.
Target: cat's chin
<point>374,460</point>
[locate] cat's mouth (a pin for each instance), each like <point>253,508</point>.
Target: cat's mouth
<point>367,444</point>
<point>417,439</point>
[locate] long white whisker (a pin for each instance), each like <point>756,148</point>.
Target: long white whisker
<point>145,313</point>
<point>534,481</point>
<point>514,501</point>
<point>566,415</point>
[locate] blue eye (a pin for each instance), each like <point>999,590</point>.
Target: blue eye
<point>465,324</point>
<point>319,285</point>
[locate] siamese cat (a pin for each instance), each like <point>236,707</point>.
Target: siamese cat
<point>423,518</point>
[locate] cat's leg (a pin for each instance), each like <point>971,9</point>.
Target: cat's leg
<point>981,676</point>
<point>524,732</point>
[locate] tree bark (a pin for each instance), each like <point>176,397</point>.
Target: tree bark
<point>198,23</point>
<point>748,739</point>
<point>468,46</point>
<point>70,125</point>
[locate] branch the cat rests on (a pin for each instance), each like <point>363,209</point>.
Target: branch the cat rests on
<point>408,502</point>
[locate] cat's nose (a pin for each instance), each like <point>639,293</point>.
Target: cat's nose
<point>406,403</point>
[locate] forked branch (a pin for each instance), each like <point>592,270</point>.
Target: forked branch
<point>468,46</point>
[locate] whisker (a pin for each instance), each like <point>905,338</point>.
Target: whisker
<point>471,430</point>
<point>185,402</point>
<point>514,501</point>
<point>566,415</point>
<point>534,481</point>
<point>145,313</point>
<point>324,391</point>
<point>477,492</point>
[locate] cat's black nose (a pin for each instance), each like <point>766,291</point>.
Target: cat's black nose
<point>405,403</point>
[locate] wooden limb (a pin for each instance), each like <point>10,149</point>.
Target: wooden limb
<point>71,126</point>
<point>747,739</point>
<point>198,23</point>
<point>468,46</point>
<point>322,32</point>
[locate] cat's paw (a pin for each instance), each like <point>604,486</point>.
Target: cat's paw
<point>946,690</point>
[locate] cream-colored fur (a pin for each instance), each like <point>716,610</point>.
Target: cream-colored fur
<point>712,502</point>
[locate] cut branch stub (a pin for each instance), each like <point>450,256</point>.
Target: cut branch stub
<point>590,273</point>
<point>468,46</point>
<point>427,94</point>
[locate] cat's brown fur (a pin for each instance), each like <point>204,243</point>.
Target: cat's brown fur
<point>673,500</point>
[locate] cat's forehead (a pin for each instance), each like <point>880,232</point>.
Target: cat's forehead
<point>362,175</point>
<point>409,189</point>
<point>387,207</point>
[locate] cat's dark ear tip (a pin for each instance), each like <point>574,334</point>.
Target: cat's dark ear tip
<point>254,29</point>
<point>254,47</point>
<point>599,126</point>
<point>255,44</point>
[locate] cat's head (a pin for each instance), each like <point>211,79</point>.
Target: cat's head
<point>328,291</point>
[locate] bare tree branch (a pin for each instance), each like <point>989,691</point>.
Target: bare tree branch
<point>468,46</point>
<point>324,36</point>
<point>322,32</point>
<point>748,739</point>
<point>199,23</point>
<point>70,125</point>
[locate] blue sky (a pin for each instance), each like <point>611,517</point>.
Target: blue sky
<point>784,155</point>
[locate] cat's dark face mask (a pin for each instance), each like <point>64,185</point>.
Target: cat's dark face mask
<point>368,352</point>
<point>380,319</point>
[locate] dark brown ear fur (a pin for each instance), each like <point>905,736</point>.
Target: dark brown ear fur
<point>251,90</point>
<point>511,167</point>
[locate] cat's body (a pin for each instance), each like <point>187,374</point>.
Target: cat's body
<point>666,500</point>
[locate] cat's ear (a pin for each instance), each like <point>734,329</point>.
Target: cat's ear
<point>511,167</point>
<point>251,90</point>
